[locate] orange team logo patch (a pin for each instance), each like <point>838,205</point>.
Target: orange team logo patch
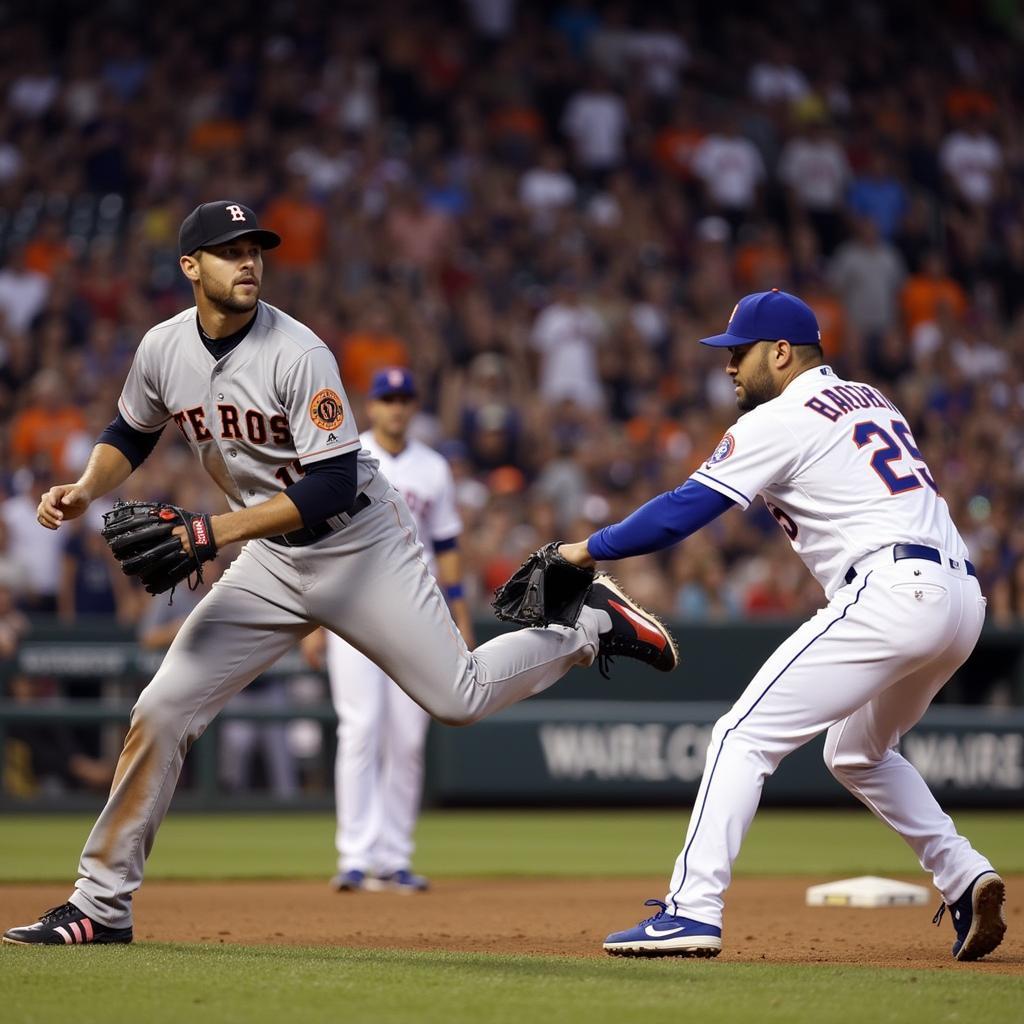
<point>326,410</point>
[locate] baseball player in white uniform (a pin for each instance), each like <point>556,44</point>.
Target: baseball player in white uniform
<point>330,542</point>
<point>378,769</point>
<point>837,465</point>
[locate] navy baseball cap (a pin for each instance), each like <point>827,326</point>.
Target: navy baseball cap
<point>216,223</point>
<point>393,381</point>
<point>769,316</point>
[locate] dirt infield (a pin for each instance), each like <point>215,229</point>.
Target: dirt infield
<point>766,921</point>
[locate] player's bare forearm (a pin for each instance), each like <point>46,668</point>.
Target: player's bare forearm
<point>449,576</point>
<point>464,621</point>
<point>107,468</point>
<point>267,519</point>
<point>576,553</point>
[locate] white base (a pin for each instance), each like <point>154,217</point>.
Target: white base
<point>868,891</point>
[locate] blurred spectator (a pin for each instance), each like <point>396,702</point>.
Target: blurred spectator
<point>775,79</point>
<point>327,164</point>
<point>14,577</point>
<point>371,346</point>
<point>973,160</point>
<point>676,143</point>
<point>930,288</point>
<point>878,193</point>
<point>730,167</point>
<point>493,19</point>
<point>46,759</point>
<point>13,624</point>
<point>301,224</point>
<point>596,121</point>
<point>420,235</point>
<point>654,54</point>
<point>41,429</point>
<point>22,291</point>
<point>48,249</point>
<point>38,551</point>
<point>814,169</point>
<point>762,258</point>
<point>867,274</point>
<point>568,334</point>
<point>91,584</point>
<point>700,578</point>
<point>547,187</point>
<point>34,90</point>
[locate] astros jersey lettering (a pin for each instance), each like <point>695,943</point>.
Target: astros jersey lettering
<point>255,417</point>
<point>839,469</point>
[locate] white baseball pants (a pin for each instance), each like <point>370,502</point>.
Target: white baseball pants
<point>378,768</point>
<point>865,668</point>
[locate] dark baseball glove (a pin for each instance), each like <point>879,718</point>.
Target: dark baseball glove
<point>140,534</point>
<point>546,589</point>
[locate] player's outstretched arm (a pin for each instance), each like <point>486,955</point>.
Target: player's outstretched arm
<point>107,469</point>
<point>663,521</point>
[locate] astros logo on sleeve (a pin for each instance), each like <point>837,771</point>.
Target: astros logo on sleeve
<point>326,410</point>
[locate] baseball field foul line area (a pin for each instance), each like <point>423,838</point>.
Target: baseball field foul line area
<point>236,922</point>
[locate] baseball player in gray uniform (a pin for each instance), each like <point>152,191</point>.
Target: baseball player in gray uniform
<point>258,398</point>
<point>838,468</point>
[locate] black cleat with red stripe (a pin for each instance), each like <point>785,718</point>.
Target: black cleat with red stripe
<point>635,633</point>
<point>66,925</point>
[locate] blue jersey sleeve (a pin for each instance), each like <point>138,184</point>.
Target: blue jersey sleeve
<point>663,521</point>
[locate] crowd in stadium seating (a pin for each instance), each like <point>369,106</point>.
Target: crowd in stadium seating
<point>539,209</point>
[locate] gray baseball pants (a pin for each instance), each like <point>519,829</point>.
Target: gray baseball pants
<point>367,582</point>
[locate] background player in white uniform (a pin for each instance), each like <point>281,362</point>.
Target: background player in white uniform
<point>259,399</point>
<point>378,770</point>
<point>839,469</point>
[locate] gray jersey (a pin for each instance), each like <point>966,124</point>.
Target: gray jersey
<point>255,417</point>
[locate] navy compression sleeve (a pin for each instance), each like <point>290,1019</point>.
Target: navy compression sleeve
<point>134,445</point>
<point>663,521</point>
<point>327,489</point>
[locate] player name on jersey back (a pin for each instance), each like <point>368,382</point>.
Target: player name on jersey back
<point>838,467</point>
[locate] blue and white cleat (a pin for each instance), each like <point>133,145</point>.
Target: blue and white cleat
<point>665,935</point>
<point>349,881</point>
<point>402,880</point>
<point>977,917</point>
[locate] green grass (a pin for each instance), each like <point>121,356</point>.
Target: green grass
<point>482,843</point>
<point>156,983</point>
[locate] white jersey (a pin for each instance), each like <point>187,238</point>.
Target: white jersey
<point>424,479</point>
<point>838,467</point>
<point>255,417</point>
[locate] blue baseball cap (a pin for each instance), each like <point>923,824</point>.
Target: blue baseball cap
<point>395,380</point>
<point>769,316</point>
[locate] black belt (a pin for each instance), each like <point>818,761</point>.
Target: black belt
<point>901,551</point>
<point>310,534</point>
